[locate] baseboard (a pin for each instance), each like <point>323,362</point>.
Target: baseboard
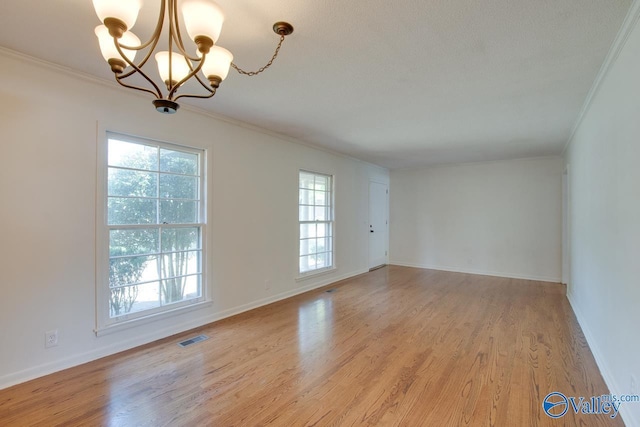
<point>480,272</point>
<point>79,359</point>
<point>82,358</point>
<point>607,376</point>
<point>282,296</point>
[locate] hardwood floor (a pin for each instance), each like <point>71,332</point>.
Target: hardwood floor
<point>396,346</point>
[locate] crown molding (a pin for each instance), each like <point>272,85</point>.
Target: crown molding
<point>193,109</point>
<point>618,44</point>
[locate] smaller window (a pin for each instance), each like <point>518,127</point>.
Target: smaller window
<point>315,215</point>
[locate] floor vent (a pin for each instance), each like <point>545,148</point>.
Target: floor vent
<point>330,290</point>
<point>193,340</point>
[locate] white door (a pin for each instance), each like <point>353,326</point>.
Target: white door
<point>378,224</point>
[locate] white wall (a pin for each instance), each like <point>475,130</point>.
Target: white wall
<point>604,208</point>
<point>498,218</point>
<point>49,132</point>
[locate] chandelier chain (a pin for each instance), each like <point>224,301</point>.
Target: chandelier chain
<point>253,73</point>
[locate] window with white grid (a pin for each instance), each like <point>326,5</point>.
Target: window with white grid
<point>315,214</point>
<point>153,228</point>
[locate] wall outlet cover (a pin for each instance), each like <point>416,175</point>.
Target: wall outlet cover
<point>51,338</point>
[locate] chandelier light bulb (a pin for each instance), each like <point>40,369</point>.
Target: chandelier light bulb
<point>177,64</point>
<point>125,11</point>
<point>109,51</point>
<point>216,64</point>
<point>202,18</point>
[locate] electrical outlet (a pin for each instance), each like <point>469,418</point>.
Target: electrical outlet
<point>51,338</point>
<point>633,389</point>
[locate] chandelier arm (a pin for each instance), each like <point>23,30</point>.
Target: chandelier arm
<point>136,68</point>
<point>194,72</point>
<point>213,92</point>
<point>174,31</point>
<point>260,70</point>
<point>204,85</point>
<point>156,33</point>
<point>143,89</point>
<point>185,53</point>
<point>144,60</point>
<point>155,37</point>
<point>141,64</point>
<point>170,85</point>
<point>190,65</point>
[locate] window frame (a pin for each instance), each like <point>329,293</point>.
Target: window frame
<point>331,222</point>
<point>104,322</point>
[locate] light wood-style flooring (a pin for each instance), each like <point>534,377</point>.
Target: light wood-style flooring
<point>396,346</point>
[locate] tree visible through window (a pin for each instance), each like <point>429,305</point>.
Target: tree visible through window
<point>154,220</point>
<point>315,205</point>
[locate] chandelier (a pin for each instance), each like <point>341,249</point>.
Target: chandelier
<point>203,21</point>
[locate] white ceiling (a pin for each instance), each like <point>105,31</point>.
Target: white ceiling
<point>401,84</point>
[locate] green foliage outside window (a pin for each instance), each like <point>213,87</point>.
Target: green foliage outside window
<point>151,186</point>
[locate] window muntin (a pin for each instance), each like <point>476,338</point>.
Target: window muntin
<point>315,215</point>
<point>155,226</point>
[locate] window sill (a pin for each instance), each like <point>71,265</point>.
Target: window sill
<point>315,273</point>
<point>128,324</point>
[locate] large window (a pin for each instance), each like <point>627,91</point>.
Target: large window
<point>315,205</point>
<point>154,226</point>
